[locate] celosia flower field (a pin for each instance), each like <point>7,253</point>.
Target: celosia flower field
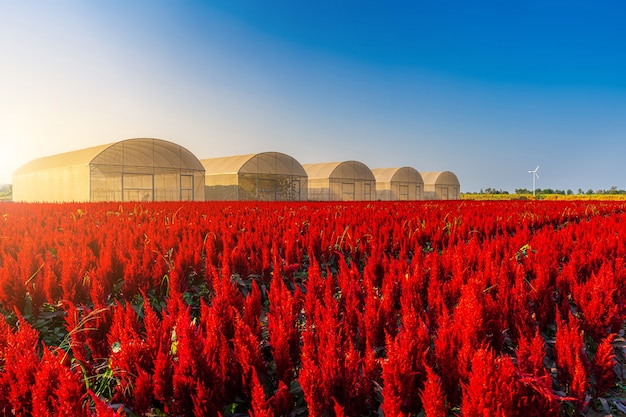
<point>319,309</point>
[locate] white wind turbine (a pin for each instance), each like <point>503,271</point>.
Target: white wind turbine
<point>535,175</point>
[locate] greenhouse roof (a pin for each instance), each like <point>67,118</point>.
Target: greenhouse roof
<point>138,152</point>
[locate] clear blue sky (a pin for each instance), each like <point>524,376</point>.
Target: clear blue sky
<point>486,89</point>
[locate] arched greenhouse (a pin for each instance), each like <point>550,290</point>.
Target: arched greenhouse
<point>404,183</point>
<point>266,176</point>
<point>441,185</point>
<point>130,170</point>
<point>342,181</point>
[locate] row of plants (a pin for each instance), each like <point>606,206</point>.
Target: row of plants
<point>464,308</point>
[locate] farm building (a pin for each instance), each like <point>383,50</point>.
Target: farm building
<point>267,176</point>
<point>398,184</point>
<point>443,185</point>
<point>129,170</point>
<point>344,181</point>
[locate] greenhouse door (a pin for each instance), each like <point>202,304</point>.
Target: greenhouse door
<point>137,187</point>
<point>186,187</point>
<point>367,190</point>
<point>403,192</point>
<point>347,191</point>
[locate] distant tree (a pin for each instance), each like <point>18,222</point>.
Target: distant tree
<point>6,192</point>
<point>570,192</point>
<point>490,190</point>
<point>522,191</point>
<point>545,191</point>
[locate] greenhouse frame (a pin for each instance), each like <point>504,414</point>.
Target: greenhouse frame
<point>441,185</point>
<point>340,181</point>
<point>266,176</point>
<point>403,183</point>
<point>140,169</point>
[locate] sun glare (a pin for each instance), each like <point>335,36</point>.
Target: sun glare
<point>11,158</point>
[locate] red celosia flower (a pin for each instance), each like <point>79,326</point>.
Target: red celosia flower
<point>259,404</point>
<point>282,401</point>
<point>531,355</point>
<point>432,396</point>
<point>247,354</point>
<point>603,366</point>
<point>162,378</point>
<point>570,358</point>
<point>21,361</point>
<point>404,370</point>
<point>284,338</point>
<point>338,409</point>
<point>57,389</point>
<point>596,300</point>
<point>102,409</point>
<point>491,388</point>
